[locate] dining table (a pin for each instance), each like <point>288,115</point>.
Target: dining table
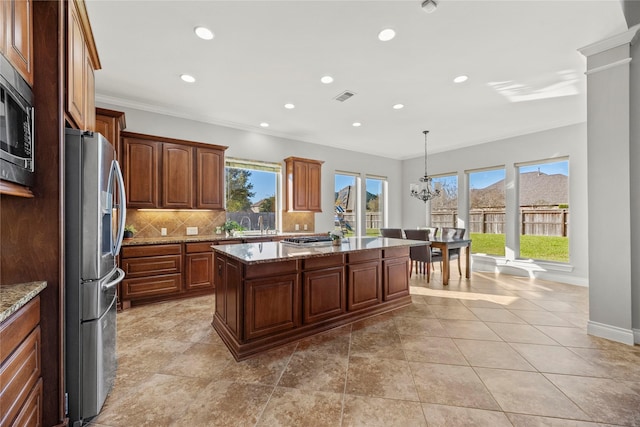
<point>444,244</point>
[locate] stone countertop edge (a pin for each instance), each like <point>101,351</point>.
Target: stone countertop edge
<point>259,253</point>
<point>14,297</point>
<point>206,238</point>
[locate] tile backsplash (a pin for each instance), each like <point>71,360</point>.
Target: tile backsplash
<point>150,223</point>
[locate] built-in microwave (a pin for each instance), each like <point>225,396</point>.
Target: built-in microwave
<point>17,153</point>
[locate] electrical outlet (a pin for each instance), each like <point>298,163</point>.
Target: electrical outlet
<point>163,231</point>
<point>305,227</point>
<point>192,231</point>
<point>297,227</point>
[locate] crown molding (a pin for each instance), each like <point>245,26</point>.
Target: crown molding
<point>628,37</point>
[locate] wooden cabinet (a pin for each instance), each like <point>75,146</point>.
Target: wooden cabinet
<point>396,267</point>
<point>110,123</point>
<point>303,186</point>
<point>16,35</point>
<point>169,173</point>
<point>198,266</point>
<point>364,278</point>
<point>82,61</point>
<point>20,367</point>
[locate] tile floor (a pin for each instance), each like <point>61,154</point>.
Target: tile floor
<point>495,350</point>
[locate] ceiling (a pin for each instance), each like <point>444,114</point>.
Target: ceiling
<point>525,73</point>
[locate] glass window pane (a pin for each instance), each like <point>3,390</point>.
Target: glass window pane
<point>487,211</point>
<point>444,208</point>
<point>375,206</point>
<point>544,211</point>
<point>346,204</point>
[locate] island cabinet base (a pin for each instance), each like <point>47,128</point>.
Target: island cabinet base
<point>264,305</point>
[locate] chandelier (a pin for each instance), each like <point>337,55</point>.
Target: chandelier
<point>422,190</point>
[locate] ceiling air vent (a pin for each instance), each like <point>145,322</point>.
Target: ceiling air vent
<point>344,96</point>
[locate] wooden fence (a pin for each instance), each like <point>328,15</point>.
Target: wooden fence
<point>539,222</point>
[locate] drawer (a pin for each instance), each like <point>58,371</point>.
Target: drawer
<point>151,250</point>
<point>229,242</point>
<point>166,284</point>
<point>31,413</point>
<point>18,375</point>
<point>253,271</point>
<point>198,247</point>
<point>18,326</point>
<point>363,256</point>
<point>151,266</point>
<point>396,252</point>
<point>322,262</point>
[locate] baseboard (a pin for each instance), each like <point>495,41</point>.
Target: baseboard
<point>613,333</point>
<point>636,336</point>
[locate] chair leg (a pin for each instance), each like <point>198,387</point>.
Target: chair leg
<point>410,268</point>
<point>428,271</point>
<point>459,269</point>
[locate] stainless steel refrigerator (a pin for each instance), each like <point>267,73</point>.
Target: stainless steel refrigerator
<point>94,226</point>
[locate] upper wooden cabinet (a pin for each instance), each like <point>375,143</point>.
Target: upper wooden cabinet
<point>303,188</point>
<point>82,61</point>
<point>110,123</point>
<point>169,173</point>
<point>16,36</point>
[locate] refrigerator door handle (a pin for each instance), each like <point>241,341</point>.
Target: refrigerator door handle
<point>115,281</point>
<point>122,207</point>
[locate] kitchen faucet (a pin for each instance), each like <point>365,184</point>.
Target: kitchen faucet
<point>261,224</point>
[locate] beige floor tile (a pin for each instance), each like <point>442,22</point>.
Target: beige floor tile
<point>451,385</point>
<point>469,329</point>
<point>315,371</point>
<point>335,341</point>
<point>528,393</point>
<point>499,315</point>
<point>492,354</point>
<point>292,407</point>
<point>224,403</point>
<point>522,304</point>
<point>618,363</point>
<point>560,306</point>
<point>360,411</point>
<point>515,333</point>
<point>162,400</point>
<point>452,416</point>
<point>453,312</point>
<point>380,378</point>
<point>540,317</point>
<point>438,300</point>
<point>519,420</point>
<point>419,348</point>
<point>415,310</point>
<point>384,345</point>
<point>200,361</point>
<point>605,400</point>
<point>420,326</point>
<point>263,369</point>
<point>381,323</point>
<point>481,303</point>
<point>572,336</point>
<point>149,355</point>
<point>556,359</point>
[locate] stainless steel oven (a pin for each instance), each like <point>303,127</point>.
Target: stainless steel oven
<point>17,153</point>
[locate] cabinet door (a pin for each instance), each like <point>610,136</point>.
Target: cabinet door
<point>177,176</point>
<point>209,179</point>
<point>90,96</point>
<point>364,285</point>
<point>153,286</point>
<point>19,36</point>
<point>313,187</point>
<point>396,278</point>
<point>272,305</point>
<point>141,173</point>
<point>300,178</point>
<point>199,274</point>
<point>324,294</point>
<point>76,62</point>
<point>109,123</point>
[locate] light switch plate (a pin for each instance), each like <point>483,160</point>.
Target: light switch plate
<point>192,231</point>
<point>163,231</point>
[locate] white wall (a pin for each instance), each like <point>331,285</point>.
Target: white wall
<point>566,141</point>
<point>255,146</point>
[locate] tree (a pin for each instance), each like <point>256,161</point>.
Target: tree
<point>239,188</point>
<point>268,205</point>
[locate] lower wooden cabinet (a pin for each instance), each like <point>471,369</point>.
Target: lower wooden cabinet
<point>272,305</point>
<point>198,266</point>
<point>396,266</point>
<point>20,368</point>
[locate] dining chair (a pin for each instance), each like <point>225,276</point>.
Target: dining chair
<point>395,233</point>
<point>455,234</point>
<point>421,255</point>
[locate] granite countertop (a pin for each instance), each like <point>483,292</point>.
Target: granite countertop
<point>206,238</point>
<point>14,297</point>
<point>255,253</point>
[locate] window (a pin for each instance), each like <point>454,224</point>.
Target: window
<point>487,211</point>
<point>252,193</point>
<point>544,210</point>
<point>376,205</point>
<point>346,204</point>
<point>444,208</point>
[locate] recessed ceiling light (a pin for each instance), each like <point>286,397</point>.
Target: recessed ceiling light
<point>386,34</point>
<point>356,124</point>
<point>461,79</point>
<point>203,33</point>
<point>187,78</point>
<point>326,80</point>
<point>264,124</point>
<point>289,106</point>
<point>398,106</point>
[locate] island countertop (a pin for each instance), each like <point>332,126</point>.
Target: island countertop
<point>255,253</point>
<point>160,240</point>
<point>13,297</point>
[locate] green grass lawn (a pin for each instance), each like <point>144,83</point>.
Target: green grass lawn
<point>549,248</point>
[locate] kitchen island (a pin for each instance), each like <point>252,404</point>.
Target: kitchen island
<point>272,293</point>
